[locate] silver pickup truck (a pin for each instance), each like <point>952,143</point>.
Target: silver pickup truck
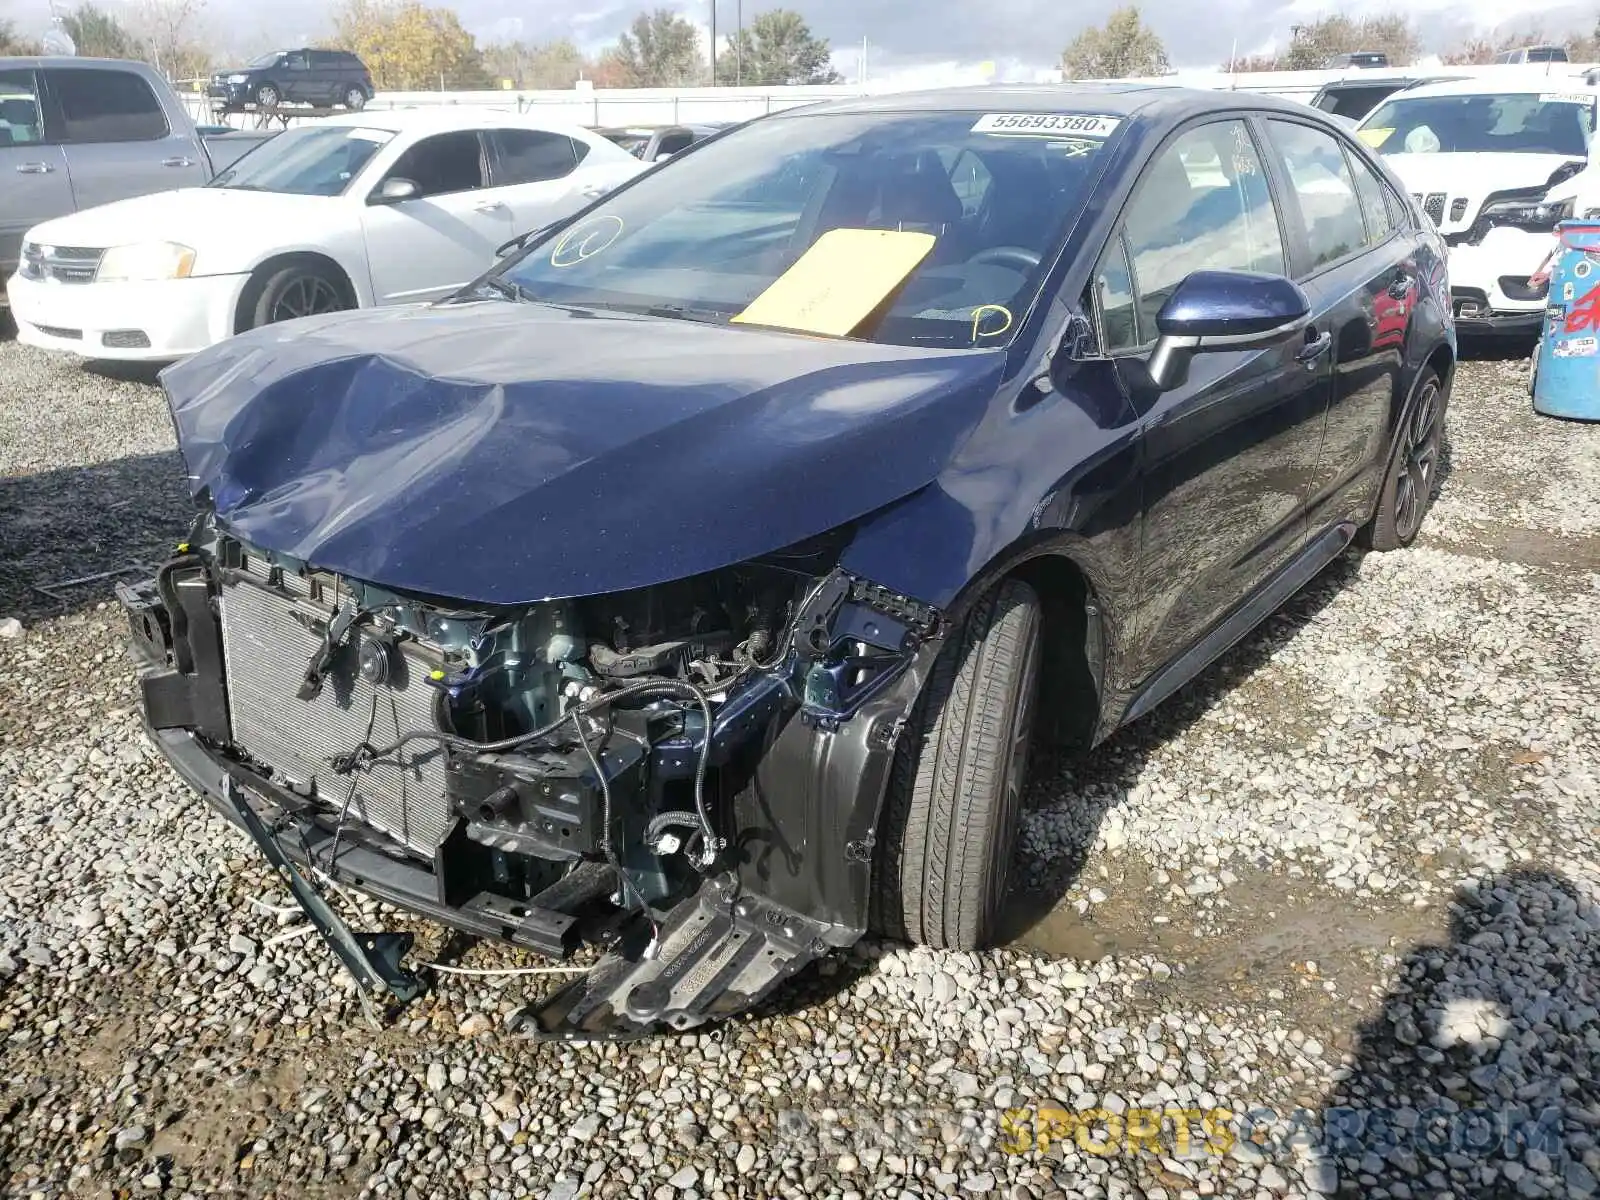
<point>77,132</point>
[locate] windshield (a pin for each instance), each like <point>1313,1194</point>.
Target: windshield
<point>704,236</point>
<point>265,60</point>
<point>1553,123</point>
<point>309,161</point>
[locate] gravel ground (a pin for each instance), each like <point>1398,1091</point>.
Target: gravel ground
<point>1347,883</point>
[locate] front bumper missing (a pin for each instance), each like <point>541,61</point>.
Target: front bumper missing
<point>373,959</point>
<point>718,953</point>
<point>793,885</point>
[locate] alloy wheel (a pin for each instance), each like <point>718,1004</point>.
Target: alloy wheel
<point>305,297</point>
<point>1419,462</point>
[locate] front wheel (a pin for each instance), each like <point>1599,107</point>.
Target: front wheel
<point>1413,469</point>
<point>267,96</point>
<point>295,290</point>
<point>951,807</point>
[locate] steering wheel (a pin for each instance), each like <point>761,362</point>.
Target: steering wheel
<point>1018,258</point>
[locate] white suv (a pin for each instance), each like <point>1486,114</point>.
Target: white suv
<point>1484,158</point>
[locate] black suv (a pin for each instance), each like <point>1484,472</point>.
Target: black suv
<point>320,78</point>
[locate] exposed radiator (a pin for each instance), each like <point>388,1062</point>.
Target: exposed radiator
<point>266,650</point>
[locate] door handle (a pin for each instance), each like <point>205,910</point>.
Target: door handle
<point>490,206</point>
<point>34,168</point>
<point>180,161</point>
<point>1314,348</point>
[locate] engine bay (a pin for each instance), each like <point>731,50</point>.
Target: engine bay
<point>610,770</point>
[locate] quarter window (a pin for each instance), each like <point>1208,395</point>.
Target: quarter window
<point>1320,175</point>
<point>102,105</point>
<point>1203,204</point>
<point>444,163</point>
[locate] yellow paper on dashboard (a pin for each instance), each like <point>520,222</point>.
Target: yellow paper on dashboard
<point>837,283</point>
<point>1374,137</point>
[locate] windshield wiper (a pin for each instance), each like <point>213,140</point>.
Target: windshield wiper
<point>503,288</point>
<point>679,312</point>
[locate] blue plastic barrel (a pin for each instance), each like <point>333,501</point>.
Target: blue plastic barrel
<point>1566,381</point>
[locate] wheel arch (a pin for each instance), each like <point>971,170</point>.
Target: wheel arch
<point>1071,697</point>
<point>1081,629</point>
<point>263,270</point>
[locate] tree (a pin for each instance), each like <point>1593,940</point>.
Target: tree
<point>1311,46</point>
<point>545,65</point>
<point>12,42</point>
<point>98,34</point>
<point>172,37</point>
<point>408,46</point>
<point>1316,43</point>
<point>1477,51</point>
<point>777,48</point>
<point>1123,47</point>
<point>661,50</point>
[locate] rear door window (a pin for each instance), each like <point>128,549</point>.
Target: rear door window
<point>532,156</point>
<point>1375,202</point>
<point>20,120</point>
<point>105,105</point>
<point>1317,170</point>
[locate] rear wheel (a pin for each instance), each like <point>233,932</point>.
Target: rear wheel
<point>951,807</point>
<point>355,99</point>
<point>291,291</point>
<point>1414,470</point>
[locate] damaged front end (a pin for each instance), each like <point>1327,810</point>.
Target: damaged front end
<point>686,775</point>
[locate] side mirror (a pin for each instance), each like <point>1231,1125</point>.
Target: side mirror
<point>1222,310</point>
<point>395,191</point>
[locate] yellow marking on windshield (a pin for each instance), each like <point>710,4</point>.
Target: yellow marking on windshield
<point>1375,137</point>
<point>840,281</point>
<point>983,310</point>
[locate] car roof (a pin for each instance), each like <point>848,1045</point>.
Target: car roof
<point>45,61</point>
<point>1101,99</point>
<point>435,118</point>
<point>1512,84</point>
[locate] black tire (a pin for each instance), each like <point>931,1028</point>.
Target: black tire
<point>293,290</point>
<point>1413,468</point>
<point>951,806</point>
<point>355,99</point>
<point>268,96</point>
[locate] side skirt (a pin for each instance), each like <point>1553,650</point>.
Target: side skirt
<point>1271,596</point>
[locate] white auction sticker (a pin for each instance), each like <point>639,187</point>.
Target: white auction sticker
<point>1047,124</point>
<point>1567,98</point>
<point>362,134</point>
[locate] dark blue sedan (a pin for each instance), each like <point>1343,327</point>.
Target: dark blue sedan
<point>697,582</point>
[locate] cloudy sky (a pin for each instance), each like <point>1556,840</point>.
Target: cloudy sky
<point>909,39</point>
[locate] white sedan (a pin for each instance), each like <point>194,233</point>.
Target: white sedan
<point>350,212</point>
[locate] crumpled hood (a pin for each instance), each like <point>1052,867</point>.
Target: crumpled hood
<point>1471,177</point>
<point>503,453</point>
